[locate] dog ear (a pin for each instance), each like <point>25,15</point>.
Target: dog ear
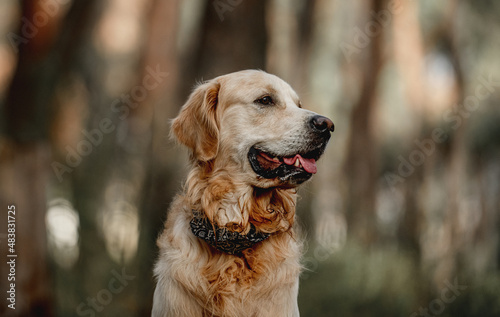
<point>196,125</point>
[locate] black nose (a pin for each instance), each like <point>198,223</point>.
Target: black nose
<point>322,124</point>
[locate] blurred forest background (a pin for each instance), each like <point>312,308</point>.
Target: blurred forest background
<point>401,220</point>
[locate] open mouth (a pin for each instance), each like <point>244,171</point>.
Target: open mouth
<point>295,168</point>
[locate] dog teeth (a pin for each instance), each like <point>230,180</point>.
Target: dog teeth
<point>297,163</point>
<point>276,159</point>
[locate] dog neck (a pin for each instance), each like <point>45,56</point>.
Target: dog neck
<point>237,206</point>
<point>222,239</point>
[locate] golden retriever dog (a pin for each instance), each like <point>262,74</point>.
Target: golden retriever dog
<point>229,247</point>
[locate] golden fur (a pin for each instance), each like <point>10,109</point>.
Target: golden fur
<point>219,123</point>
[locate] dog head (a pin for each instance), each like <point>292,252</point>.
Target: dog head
<point>252,124</point>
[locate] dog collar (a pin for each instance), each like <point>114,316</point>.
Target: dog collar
<point>222,239</point>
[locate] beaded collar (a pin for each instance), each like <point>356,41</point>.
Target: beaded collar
<point>223,239</point>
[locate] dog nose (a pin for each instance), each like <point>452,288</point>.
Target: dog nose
<point>322,124</point>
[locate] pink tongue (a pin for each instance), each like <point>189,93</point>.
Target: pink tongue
<point>308,164</point>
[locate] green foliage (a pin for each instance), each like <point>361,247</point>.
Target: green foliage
<point>482,299</point>
<point>361,282</point>
<point>386,282</point>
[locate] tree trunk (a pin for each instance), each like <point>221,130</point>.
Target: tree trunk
<point>362,158</point>
<point>24,162</point>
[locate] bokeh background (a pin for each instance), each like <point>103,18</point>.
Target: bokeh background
<point>401,220</point>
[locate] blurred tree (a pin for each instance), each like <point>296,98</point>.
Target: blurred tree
<point>162,168</point>
<point>25,155</point>
<point>361,162</point>
<point>232,38</point>
<point>408,54</point>
<point>457,157</point>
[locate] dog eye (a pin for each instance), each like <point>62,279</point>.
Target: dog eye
<point>266,101</point>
